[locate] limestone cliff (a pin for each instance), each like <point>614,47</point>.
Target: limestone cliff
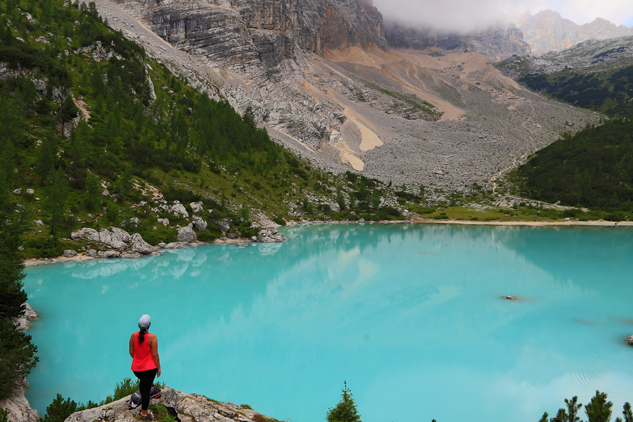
<point>496,42</point>
<point>549,31</point>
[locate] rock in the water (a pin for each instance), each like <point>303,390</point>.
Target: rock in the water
<point>134,255</point>
<point>196,207</point>
<point>629,340</point>
<point>172,245</point>
<point>186,235</point>
<point>69,253</point>
<point>199,223</point>
<point>23,322</point>
<point>139,245</point>
<point>270,236</point>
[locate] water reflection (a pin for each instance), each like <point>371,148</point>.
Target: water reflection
<point>280,326</point>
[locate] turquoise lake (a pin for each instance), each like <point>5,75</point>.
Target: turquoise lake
<point>410,316</point>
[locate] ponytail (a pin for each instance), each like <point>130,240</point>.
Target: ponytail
<point>141,335</point>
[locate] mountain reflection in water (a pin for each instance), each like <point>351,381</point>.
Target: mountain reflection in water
<point>410,316</point>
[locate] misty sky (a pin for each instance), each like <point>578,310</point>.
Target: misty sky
<point>471,14</point>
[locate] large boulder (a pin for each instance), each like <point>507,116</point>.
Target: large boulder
<point>196,207</point>
<point>137,244</point>
<point>85,234</point>
<point>186,235</point>
<point>172,245</point>
<point>121,235</point>
<point>108,254</point>
<point>629,340</point>
<point>23,322</point>
<point>199,223</point>
<point>224,224</point>
<point>179,209</point>
<point>69,253</point>
<point>270,235</point>
<point>112,239</point>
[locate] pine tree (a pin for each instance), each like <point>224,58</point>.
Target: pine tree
<point>92,192</point>
<point>345,410</point>
<point>599,409</point>
<point>572,409</point>
<point>17,354</point>
<point>545,417</point>
<point>628,414</point>
<point>57,201</point>
<point>46,159</point>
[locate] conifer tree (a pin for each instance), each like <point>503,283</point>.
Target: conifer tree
<point>57,201</point>
<point>345,410</point>
<point>92,191</point>
<point>17,354</point>
<point>46,159</point>
<point>572,409</point>
<point>599,409</point>
<point>628,414</point>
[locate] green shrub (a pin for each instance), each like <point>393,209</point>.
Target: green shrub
<point>245,406</point>
<point>45,247</point>
<point>441,217</point>
<point>207,236</point>
<point>279,221</point>
<point>60,409</point>
<point>4,413</point>
<point>474,218</point>
<point>615,216</point>
<point>161,234</point>
<point>426,210</point>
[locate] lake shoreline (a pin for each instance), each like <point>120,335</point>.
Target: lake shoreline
<point>31,262</point>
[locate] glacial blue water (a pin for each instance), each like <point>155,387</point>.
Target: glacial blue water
<point>409,316</point>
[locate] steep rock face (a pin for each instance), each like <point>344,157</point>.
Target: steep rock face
<point>496,42</point>
<point>548,31</point>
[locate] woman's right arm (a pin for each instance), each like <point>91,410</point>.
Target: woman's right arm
<point>132,346</point>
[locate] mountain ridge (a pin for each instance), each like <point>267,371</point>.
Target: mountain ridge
<point>548,31</point>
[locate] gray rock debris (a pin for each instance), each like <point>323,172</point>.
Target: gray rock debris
<point>224,224</point>
<point>172,245</point>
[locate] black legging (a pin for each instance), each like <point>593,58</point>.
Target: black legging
<point>147,380</point>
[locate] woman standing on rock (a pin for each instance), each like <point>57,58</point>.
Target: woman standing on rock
<point>145,360</point>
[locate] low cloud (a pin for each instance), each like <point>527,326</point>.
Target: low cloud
<point>467,15</point>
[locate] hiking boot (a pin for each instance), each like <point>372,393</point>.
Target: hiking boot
<point>147,417</point>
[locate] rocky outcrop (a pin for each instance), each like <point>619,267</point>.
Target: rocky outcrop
<point>23,322</point>
<point>137,244</point>
<point>186,235</point>
<point>179,210</point>
<point>18,406</point>
<point>199,223</point>
<point>549,31</point>
<point>270,235</point>
<point>496,42</point>
<point>190,407</point>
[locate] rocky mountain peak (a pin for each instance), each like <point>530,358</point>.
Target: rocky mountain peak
<point>548,31</point>
<point>496,42</point>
